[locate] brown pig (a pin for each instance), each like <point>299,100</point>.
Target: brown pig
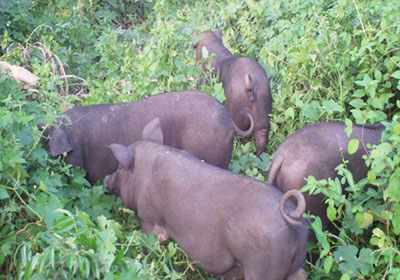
<point>316,150</point>
<point>245,83</point>
<point>230,225</point>
<point>190,120</point>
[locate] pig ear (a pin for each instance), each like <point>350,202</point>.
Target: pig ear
<point>218,33</point>
<point>248,84</point>
<point>123,154</point>
<point>59,142</point>
<point>152,131</point>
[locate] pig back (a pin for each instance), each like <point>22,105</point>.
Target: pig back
<point>191,120</point>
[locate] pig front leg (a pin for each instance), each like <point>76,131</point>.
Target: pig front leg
<point>156,229</point>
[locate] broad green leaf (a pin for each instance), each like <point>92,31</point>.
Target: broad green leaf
<point>331,212</point>
<point>393,190</point>
<point>365,81</point>
<point>204,52</point>
<point>381,150</point>
<point>353,146</point>
<point>357,103</point>
<point>312,111</point>
<point>345,276</point>
<point>96,202</point>
<point>4,192</point>
<point>396,75</point>
<point>396,224</point>
<point>349,127</point>
<point>328,264</point>
<point>396,129</point>
<point>364,219</point>
<point>197,38</point>
<point>290,113</point>
<point>378,75</point>
<point>316,225</point>
<point>371,176</point>
<point>352,263</point>
<point>358,115</point>
<point>45,205</point>
<point>331,106</point>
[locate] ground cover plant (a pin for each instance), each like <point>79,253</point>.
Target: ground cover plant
<point>327,61</point>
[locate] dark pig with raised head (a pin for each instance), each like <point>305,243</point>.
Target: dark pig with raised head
<point>190,120</point>
<point>245,83</point>
<point>316,150</point>
<point>228,224</point>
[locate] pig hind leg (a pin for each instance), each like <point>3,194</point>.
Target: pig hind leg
<point>235,273</point>
<point>299,274</point>
<point>266,263</point>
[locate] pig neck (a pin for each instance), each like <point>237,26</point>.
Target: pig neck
<point>222,53</point>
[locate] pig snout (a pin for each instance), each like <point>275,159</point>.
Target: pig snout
<point>107,183</point>
<point>261,140</point>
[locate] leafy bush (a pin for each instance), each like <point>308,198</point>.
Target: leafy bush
<point>367,218</point>
<point>327,60</point>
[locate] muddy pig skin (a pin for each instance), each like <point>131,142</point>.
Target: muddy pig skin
<point>316,150</point>
<point>230,225</point>
<point>190,120</point>
<point>245,83</point>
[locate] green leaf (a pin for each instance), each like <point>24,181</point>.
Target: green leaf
<point>351,263</point>
<point>316,226</point>
<point>357,103</point>
<point>289,113</point>
<point>219,92</point>
<point>45,205</point>
<point>95,202</point>
<point>345,276</point>
<point>204,52</point>
<point>3,192</point>
<point>371,176</point>
<point>365,81</point>
<point>358,115</point>
<point>331,106</point>
<point>353,146</point>
<point>396,75</point>
<point>378,75</point>
<point>393,190</point>
<point>331,212</point>
<point>328,264</point>
<point>364,219</point>
<point>106,248</point>
<point>312,111</point>
<point>349,127</point>
<point>396,224</point>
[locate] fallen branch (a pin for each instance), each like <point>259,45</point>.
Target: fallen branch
<point>19,73</point>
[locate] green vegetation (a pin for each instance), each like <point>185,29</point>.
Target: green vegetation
<point>327,60</point>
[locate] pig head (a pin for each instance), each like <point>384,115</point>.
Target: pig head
<point>230,225</point>
<point>316,150</point>
<point>245,83</point>
<point>190,120</point>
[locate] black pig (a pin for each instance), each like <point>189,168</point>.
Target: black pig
<point>245,83</point>
<point>316,150</point>
<point>230,225</point>
<point>190,120</point>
